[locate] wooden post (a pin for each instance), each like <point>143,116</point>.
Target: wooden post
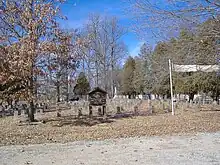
<point>79,112</point>
<point>103,110</point>
<point>171,87</point>
<point>90,111</point>
<point>58,110</point>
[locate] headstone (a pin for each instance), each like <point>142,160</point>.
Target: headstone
<point>46,105</point>
<point>58,114</point>
<point>135,110</point>
<point>22,112</point>
<point>15,113</point>
<point>79,112</point>
<point>118,109</point>
<point>42,110</point>
<point>176,105</point>
<point>213,105</point>
<point>90,111</point>
<point>150,107</point>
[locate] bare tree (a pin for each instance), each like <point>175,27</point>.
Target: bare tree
<point>104,50</point>
<point>163,19</point>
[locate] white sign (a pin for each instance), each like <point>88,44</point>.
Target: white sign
<point>188,68</point>
<point>195,68</point>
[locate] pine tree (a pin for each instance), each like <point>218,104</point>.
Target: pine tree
<point>139,76</point>
<point>82,87</point>
<point>146,67</point>
<point>128,77</point>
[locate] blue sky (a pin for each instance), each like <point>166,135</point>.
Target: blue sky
<point>77,12</point>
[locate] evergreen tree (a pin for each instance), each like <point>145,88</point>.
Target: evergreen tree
<point>82,87</point>
<point>128,77</point>
<point>146,58</point>
<point>139,76</point>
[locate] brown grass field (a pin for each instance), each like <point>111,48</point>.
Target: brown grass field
<point>70,128</point>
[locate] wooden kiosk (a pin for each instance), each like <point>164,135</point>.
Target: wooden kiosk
<point>97,97</point>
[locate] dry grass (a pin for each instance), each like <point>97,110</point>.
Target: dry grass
<point>67,129</point>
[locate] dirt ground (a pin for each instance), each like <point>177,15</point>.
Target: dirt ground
<point>68,129</point>
<point>199,149</point>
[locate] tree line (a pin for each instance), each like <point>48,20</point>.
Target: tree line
<point>149,72</point>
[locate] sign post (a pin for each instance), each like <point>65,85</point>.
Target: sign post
<point>171,87</point>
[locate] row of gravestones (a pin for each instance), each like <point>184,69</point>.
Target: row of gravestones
<point>165,105</point>
<point>20,109</point>
<point>112,105</point>
<point>9,110</point>
<point>124,104</point>
<point>191,104</point>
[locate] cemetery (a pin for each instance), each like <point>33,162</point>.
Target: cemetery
<point>139,80</point>
<point>122,117</point>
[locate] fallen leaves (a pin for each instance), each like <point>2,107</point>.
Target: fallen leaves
<point>162,124</point>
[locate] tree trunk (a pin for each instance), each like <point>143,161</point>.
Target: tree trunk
<point>96,72</point>
<point>97,78</point>
<point>217,97</point>
<point>112,70</point>
<point>67,88</point>
<point>58,92</point>
<point>31,102</point>
<point>31,112</point>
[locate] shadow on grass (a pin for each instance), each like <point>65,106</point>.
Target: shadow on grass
<point>85,120</point>
<point>73,120</point>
